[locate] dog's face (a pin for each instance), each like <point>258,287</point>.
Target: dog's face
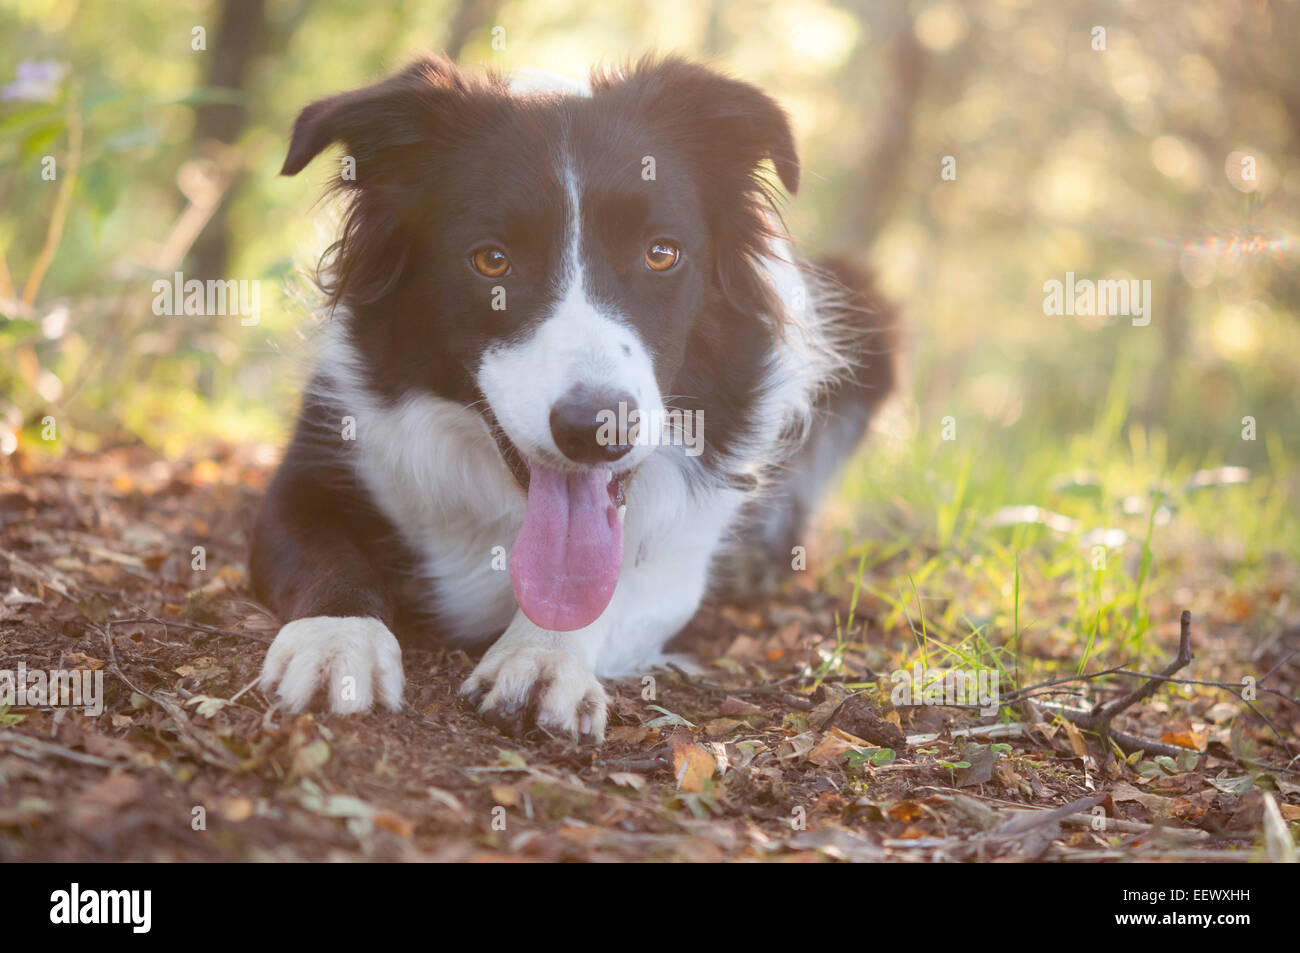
<point>561,263</point>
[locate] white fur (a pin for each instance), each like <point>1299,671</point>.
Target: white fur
<point>574,702</point>
<point>357,661</point>
<point>538,82</point>
<point>578,345</point>
<point>434,469</point>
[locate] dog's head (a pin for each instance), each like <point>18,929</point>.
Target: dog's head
<point>573,266</point>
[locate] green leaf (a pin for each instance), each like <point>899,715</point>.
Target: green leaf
<point>669,718</point>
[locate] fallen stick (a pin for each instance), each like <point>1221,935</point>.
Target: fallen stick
<point>1122,826</point>
<point>1130,854</point>
<point>192,626</point>
<point>1099,719</point>
<point>1127,742</point>
<point>28,746</point>
<point>1011,730</point>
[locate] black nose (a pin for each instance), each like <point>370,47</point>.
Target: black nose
<point>593,427</point>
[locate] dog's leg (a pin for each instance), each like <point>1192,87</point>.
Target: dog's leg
<point>310,565</point>
<point>864,324</point>
<point>534,677</point>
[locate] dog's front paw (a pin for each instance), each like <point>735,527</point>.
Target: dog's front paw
<point>354,661</point>
<point>519,687</point>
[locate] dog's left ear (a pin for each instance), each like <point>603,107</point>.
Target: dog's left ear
<point>405,109</point>
<point>725,120</point>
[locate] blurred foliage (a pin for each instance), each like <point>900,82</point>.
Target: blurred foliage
<point>1109,163</point>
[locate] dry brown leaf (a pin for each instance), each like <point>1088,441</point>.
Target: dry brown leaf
<point>628,779</point>
<point>205,471</point>
<point>797,747</point>
<point>235,808</point>
<point>692,766</point>
<point>86,661</point>
<point>734,707</point>
<point>830,750</point>
<point>113,792</point>
<point>851,739</point>
<point>505,795</point>
<point>721,727</point>
<point>630,734</point>
<point>745,647</point>
<point>1007,775</point>
<point>392,821</point>
<point>905,811</point>
<point>1192,740</point>
<point>1077,743</point>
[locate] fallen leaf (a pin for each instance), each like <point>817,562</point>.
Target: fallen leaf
<point>905,811</point>
<point>630,734</point>
<point>721,727</point>
<point>830,750</point>
<point>1077,743</point>
<point>206,705</point>
<point>797,747</point>
<point>310,758</point>
<point>980,758</point>
<point>1185,739</point>
<point>86,661</point>
<point>392,821</point>
<point>692,766</point>
<point>113,792</point>
<point>737,707</point>
<point>235,809</point>
<point>505,795</point>
<point>628,779</point>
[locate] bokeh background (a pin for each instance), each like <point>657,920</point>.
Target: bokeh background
<point>1112,154</point>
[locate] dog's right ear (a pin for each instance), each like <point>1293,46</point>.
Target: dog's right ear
<point>372,122</point>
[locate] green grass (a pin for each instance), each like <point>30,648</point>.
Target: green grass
<point>973,589</point>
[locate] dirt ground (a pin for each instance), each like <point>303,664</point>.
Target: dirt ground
<point>755,759</point>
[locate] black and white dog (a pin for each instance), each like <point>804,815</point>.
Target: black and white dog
<point>567,327</point>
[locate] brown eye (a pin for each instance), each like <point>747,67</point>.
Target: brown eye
<point>491,262</point>
<point>661,255</point>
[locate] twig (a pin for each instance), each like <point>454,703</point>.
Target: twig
<point>37,746</point>
<point>193,626</point>
<point>1099,719</point>
<point>23,567</point>
<point>1121,826</point>
<point>1129,854</point>
<point>1010,730</point>
<point>235,697</point>
<point>194,742</point>
<point>790,698</point>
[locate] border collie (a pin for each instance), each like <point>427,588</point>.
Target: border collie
<point>572,359</point>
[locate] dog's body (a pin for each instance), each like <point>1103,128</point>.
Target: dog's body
<point>515,268</point>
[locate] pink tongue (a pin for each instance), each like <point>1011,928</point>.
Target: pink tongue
<point>567,557</point>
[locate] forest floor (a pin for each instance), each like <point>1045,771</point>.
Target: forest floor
<point>788,746</point>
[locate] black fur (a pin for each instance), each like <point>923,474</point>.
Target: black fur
<point>444,162</point>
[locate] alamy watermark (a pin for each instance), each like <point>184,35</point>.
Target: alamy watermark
<point>55,688</point>
<point>670,426</point>
<point>943,686</point>
<point>177,295</point>
<point>1107,297</point>
<point>132,908</point>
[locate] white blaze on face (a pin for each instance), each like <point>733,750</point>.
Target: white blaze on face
<point>578,344</point>
<point>567,558</point>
